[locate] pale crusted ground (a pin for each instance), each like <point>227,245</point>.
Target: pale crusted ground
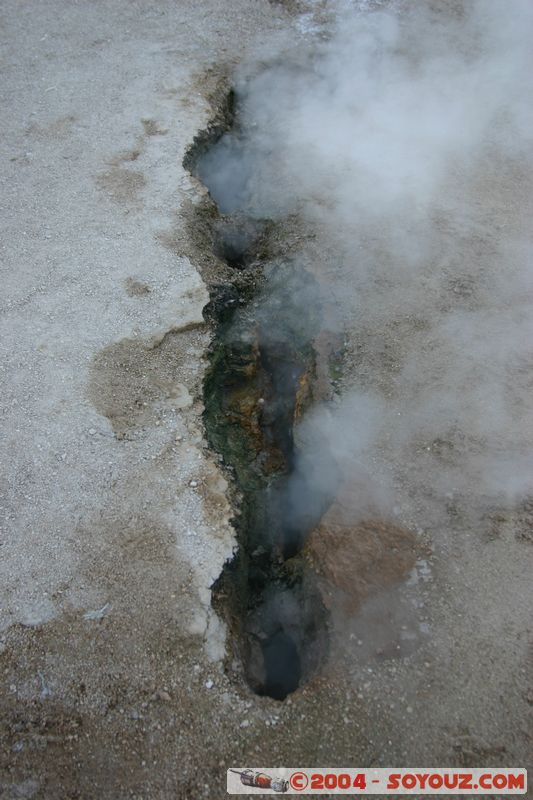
<point>114,517</point>
<point>109,498</point>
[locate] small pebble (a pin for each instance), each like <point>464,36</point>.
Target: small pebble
<point>209,684</point>
<point>193,484</point>
<point>92,431</point>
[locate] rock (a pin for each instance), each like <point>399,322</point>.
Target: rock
<point>98,614</point>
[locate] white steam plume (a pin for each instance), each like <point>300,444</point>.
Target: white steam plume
<point>404,137</point>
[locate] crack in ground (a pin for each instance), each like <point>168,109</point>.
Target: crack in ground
<point>260,381</point>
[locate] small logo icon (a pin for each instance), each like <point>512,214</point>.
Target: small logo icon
<point>261,781</point>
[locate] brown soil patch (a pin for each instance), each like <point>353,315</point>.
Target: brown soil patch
<point>354,559</point>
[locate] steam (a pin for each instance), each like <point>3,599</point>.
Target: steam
<point>402,136</point>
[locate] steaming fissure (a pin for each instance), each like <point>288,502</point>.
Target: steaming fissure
<point>257,387</point>
<point>370,184</point>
